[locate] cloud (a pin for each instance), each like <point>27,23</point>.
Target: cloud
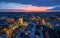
<point>26,7</point>
<point>4,5</point>
<point>57,7</point>
<point>35,2</point>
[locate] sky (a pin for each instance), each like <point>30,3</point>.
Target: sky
<point>29,5</point>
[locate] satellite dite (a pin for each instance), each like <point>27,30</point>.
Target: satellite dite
<point>29,18</point>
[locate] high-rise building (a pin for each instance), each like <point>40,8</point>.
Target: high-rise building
<point>20,21</point>
<point>9,34</point>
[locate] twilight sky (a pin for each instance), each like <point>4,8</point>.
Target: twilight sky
<point>29,5</point>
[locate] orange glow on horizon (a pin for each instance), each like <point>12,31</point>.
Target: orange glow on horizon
<point>36,9</point>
